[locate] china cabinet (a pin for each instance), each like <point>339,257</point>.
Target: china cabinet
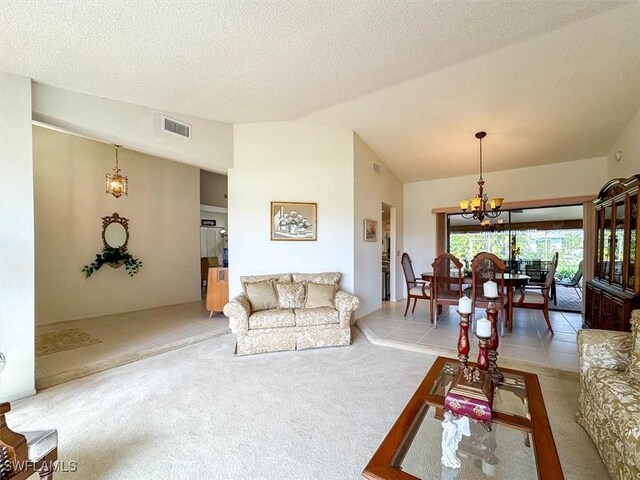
<point>615,288</point>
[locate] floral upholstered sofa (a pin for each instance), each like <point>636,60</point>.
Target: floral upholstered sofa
<point>291,311</point>
<point>609,403</point>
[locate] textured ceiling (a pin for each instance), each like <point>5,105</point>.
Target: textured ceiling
<point>382,68</point>
<point>564,95</point>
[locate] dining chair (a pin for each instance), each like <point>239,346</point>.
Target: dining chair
<point>575,281</point>
<point>23,454</point>
<point>539,300</point>
<point>446,287</point>
<point>538,286</point>
<point>537,283</point>
<point>535,272</point>
<point>417,289</point>
<point>486,266</point>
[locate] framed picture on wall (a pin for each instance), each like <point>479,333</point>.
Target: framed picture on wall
<point>293,221</point>
<point>370,230</point>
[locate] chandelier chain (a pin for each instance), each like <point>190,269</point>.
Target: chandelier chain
<point>117,169</point>
<point>480,159</point>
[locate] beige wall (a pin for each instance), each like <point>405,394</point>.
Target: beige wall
<point>371,190</point>
<point>213,188</point>
<point>163,212</point>
<point>568,179</point>
<point>292,162</point>
<point>16,238</point>
<point>628,143</point>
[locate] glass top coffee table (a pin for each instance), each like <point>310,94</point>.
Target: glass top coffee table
<point>520,444</point>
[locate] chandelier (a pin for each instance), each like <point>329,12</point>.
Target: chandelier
<point>488,226</point>
<point>116,184</point>
<point>476,208</point>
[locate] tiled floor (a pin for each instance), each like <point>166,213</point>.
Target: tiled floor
<point>125,338</point>
<point>568,299</point>
<point>530,342</point>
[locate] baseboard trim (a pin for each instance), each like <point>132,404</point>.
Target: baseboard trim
<point>18,396</point>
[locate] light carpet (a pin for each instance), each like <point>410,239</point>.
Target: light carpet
<point>201,412</point>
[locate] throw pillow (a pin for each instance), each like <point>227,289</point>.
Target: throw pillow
<point>290,295</point>
<point>320,295</point>
<point>634,365</point>
<point>324,278</point>
<point>261,295</point>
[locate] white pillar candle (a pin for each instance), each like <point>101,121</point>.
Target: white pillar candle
<point>464,305</point>
<point>483,328</point>
<point>491,289</point>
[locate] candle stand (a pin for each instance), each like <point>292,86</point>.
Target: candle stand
<point>472,388</point>
<point>483,357</point>
<point>494,341</point>
<point>463,340</point>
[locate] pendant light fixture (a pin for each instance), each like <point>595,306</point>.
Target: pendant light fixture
<point>116,184</point>
<point>477,207</point>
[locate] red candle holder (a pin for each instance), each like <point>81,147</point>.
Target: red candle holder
<point>494,342</point>
<point>483,356</point>
<point>463,340</point>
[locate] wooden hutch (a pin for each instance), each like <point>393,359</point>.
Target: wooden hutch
<point>615,288</point>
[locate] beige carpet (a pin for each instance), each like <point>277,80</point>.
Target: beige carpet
<point>201,413</point>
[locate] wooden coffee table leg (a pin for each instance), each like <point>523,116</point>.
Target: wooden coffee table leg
<point>439,413</point>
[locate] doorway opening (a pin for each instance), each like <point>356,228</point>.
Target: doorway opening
<point>388,256</point>
<point>527,240</point>
<point>213,241</point>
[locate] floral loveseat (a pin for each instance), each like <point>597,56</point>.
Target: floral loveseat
<point>609,403</point>
<point>307,311</point>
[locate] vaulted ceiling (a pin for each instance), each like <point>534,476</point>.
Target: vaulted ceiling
<point>549,81</point>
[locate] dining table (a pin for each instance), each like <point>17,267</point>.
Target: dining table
<point>511,282</point>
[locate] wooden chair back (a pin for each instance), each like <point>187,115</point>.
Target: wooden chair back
<point>552,272</point>
<point>484,267</point>
<point>447,277</point>
<point>407,268</point>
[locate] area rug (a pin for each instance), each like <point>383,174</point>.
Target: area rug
<point>54,342</point>
<point>201,412</point>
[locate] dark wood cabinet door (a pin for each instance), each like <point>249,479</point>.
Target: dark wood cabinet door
<point>618,317</point>
<point>606,310</point>
<point>589,309</point>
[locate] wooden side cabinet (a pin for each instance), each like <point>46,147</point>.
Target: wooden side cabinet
<point>615,289</point>
<point>217,289</point>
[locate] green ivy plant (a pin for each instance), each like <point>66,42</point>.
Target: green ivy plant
<point>114,256</point>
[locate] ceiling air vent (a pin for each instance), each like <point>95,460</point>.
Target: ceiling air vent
<point>376,167</point>
<point>176,128</point>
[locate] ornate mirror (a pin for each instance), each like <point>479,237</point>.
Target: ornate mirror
<point>115,231</point>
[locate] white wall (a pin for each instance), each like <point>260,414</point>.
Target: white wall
<point>628,143</point>
<point>220,218</point>
<point>371,190</point>
<point>16,238</point>
<point>568,179</point>
<point>135,127</point>
<point>163,208</point>
<point>291,161</point>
